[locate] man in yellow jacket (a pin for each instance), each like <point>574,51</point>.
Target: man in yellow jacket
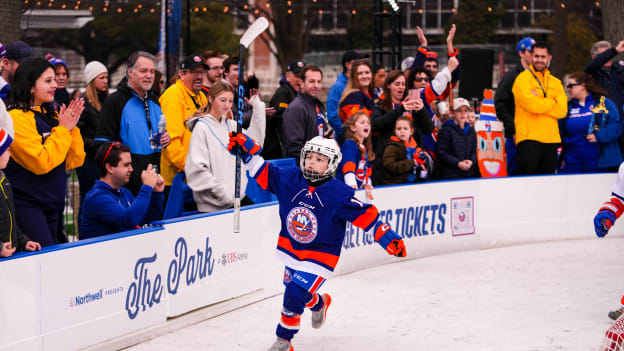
<point>540,101</point>
<point>178,102</point>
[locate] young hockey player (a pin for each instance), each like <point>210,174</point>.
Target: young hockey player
<point>607,214</point>
<point>314,208</point>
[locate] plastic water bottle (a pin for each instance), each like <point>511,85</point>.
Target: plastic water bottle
<point>162,129</point>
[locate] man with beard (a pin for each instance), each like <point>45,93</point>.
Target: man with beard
<point>110,208</point>
<point>540,101</point>
<point>178,102</point>
<point>131,115</point>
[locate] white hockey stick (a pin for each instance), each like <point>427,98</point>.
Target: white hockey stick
<point>256,28</point>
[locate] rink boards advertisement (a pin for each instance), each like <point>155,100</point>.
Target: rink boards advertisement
<point>80,294</point>
<point>94,292</point>
<point>431,218</point>
<point>207,263</point>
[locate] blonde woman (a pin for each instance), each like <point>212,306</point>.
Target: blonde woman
<point>96,76</point>
<point>210,168</point>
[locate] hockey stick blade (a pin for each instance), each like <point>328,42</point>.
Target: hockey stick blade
<point>256,28</point>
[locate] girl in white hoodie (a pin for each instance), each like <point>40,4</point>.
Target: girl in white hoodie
<point>210,168</point>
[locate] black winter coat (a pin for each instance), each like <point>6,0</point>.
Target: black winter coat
<point>88,124</point>
<point>610,79</point>
<point>383,129</point>
<point>9,231</point>
<point>504,101</point>
<point>455,145</point>
<point>283,96</point>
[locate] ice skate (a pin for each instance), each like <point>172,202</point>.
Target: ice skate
<point>318,317</point>
<point>616,314</point>
<point>281,345</point>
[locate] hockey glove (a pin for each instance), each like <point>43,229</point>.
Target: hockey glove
<point>603,222</point>
<point>389,240</point>
<point>607,215</point>
<point>247,146</point>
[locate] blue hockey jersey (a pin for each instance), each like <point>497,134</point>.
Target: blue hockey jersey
<point>353,162</point>
<point>313,219</point>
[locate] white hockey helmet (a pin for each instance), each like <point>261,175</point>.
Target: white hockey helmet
<point>323,146</point>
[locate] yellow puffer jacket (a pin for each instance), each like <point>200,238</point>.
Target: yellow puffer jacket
<point>536,115</point>
<point>177,103</point>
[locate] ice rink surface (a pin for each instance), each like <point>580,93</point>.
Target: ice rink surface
<point>538,297</point>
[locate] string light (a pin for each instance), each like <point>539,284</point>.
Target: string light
<point>105,9</point>
<point>289,2</point>
<point>225,9</point>
<point>119,10</point>
<point>197,9</point>
<point>64,6</point>
<point>289,11</point>
<point>140,6</point>
<point>76,7</point>
<point>420,11</point>
<point>353,12</point>
<point>268,5</point>
<point>245,6</point>
<point>135,10</point>
<point>256,11</point>
<point>204,9</point>
<point>453,9</point>
<point>320,12</point>
<point>598,3</point>
<point>90,8</point>
<point>151,10</point>
<point>524,7</point>
<point>489,9</point>
<point>562,5</point>
<point>393,4</point>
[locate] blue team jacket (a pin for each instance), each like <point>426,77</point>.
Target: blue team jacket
<point>574,127</point>
<point>106,210</point>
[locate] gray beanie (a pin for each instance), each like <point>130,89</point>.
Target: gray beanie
<point>94,69</point>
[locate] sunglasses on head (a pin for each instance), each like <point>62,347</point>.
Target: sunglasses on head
<point>114,144</point>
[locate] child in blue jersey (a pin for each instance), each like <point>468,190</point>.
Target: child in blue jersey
<point>314,209</point>
<point>404,161</point>
<point>608,213</point>
<point>357,153</point>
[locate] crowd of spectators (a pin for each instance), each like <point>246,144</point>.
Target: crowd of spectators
<point>393,127</point>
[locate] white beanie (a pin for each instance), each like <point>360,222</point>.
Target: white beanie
<point>94,69</point>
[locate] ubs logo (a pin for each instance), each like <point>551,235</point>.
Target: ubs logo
<point>302,225</point>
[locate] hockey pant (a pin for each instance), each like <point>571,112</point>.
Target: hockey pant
<point>301,292</point>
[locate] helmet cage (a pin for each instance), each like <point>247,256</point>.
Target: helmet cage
<point>325,147</point>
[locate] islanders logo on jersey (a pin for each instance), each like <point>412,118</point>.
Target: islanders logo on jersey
<point>302,225</point>
<point>287,276</point>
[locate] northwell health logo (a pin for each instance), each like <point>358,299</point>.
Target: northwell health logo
<point>93,296</point>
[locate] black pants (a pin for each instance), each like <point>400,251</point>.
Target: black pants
<point>533,157</point>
